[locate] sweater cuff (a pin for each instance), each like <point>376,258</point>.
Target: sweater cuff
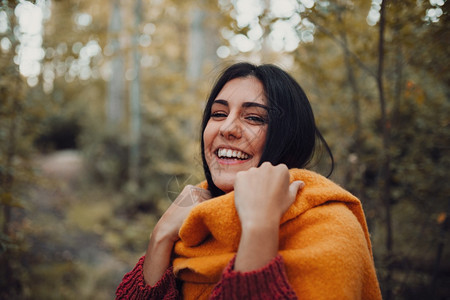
<point>269,282</point>
<point>133,285</point>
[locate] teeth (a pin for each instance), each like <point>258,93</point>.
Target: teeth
<point>231,153</point>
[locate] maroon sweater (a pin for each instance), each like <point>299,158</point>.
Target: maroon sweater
<point>269,282</point>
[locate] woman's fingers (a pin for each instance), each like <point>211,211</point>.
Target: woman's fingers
<point>192,195</point>
<point>172,219</point>
<point>295,186</point>
<point>264,193</point>
<point>199,195</point>
<point>165,233</point>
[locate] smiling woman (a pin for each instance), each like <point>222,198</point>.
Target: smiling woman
<point>260,226</point>
<point>235,134</point>
<point>288,134</point>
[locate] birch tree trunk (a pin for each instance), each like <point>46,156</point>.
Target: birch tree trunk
<point>196,45</point>
<point>135,101</point>
<point>114,103</point>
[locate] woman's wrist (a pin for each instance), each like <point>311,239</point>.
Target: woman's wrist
<point>157,257</point>
<point>266,232</point>
<point>162,233</point>
<point>258,246</point>
<point>159,241</point>
<point>260,224</point>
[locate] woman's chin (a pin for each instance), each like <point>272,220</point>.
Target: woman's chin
<point>225,183</point>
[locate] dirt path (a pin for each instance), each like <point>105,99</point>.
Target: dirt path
<point>63,259</point>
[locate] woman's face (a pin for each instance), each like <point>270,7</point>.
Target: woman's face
<point>235,134</point>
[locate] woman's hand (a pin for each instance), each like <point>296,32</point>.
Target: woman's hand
<point>261,197</point>
<point>165,233</point>
<point>170,222</point>
<point>263,194</point>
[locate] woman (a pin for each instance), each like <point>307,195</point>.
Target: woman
<point>260,227</point>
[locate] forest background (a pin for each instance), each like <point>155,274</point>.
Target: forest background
<point>100,106</point>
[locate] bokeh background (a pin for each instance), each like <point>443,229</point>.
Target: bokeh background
<point>100,107</point>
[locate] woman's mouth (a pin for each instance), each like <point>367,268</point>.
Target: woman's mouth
<point>225,153</point>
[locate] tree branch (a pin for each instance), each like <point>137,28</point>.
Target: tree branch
<point>342,43</point>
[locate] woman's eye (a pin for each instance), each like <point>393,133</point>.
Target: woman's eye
<point>256,119</point>
<point>218,115</point>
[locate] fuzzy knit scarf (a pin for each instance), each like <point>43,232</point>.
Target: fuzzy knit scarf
<point>323,240</point>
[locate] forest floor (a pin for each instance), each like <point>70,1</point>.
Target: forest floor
<point>68,249</point>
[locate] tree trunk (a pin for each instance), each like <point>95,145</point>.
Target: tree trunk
<point>135,102</point>
<point>439,253</point>
<point>114,103</point>
<point>266,49</point>
<point>398,87</point>
<point>384,176</point>
<point>196,45</point>
<point>355,173</point>
<point>9,282</point>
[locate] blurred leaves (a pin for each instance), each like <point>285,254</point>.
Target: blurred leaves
<point>73,222</point>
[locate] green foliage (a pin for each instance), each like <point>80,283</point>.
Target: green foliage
<point>419,146</point>
<point>74,235</point>
<point>162,158</point>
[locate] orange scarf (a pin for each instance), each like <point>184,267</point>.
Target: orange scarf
<point>323,240</point>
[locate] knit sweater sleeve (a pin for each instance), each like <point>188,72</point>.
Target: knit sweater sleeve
<point>269,282</point>
<point>133,285</point>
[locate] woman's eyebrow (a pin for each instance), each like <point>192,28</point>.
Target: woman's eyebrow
<point>245,104</point>
<point>220,101</point>
<point>254,104</point>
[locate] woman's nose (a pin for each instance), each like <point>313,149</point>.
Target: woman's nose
<point>231,128</point>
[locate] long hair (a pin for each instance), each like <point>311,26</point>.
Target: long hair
<point>292,134</point>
